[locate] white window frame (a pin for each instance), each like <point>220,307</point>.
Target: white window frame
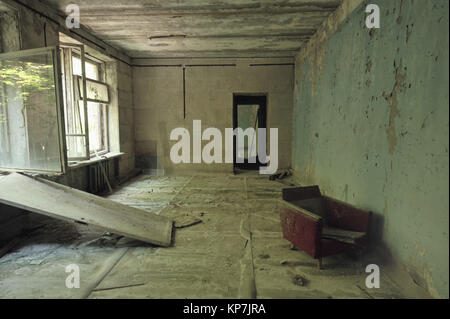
<point>79,52</point>
<point>59,106</point>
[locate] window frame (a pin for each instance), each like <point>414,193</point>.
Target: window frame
<point>78,51</point>
<point>102,105</point>
<point>59,101</point>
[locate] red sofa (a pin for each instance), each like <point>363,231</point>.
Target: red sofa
<point>308,217</point>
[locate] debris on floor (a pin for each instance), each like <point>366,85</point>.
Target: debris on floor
<point>119,287</point>
<point>299,280</point>
<point>280,177</point>
<point>282,174</point>
<point>106,240</point>
<point>210,260</point>
<point>186,221</point>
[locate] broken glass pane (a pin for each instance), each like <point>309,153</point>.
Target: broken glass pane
<point>96,91</point>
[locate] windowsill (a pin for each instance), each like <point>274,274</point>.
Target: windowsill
<point>105,157</point>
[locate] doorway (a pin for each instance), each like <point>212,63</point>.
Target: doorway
<point>249,112</point>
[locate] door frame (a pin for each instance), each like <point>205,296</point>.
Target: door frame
<point>249,99</point>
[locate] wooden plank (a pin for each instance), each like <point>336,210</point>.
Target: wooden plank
<point>54,200</point>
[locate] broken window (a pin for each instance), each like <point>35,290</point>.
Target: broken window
<point>30,122</point>
<point>86,135</point>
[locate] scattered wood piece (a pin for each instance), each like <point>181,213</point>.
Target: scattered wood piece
<point>105,269</point>
<point>186,221</point>
<point>119,287</point>
<point>107,239</point>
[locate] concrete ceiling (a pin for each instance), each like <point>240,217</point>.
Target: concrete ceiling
<point>202,28</point>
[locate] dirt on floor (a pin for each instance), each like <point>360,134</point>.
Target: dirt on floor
<point>228,245</point>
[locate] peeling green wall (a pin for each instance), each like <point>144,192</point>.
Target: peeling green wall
<point>371,127</point>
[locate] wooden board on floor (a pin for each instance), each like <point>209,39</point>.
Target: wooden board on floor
<point>51,199</point>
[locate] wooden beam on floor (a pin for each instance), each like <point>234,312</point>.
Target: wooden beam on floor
<point>54,200</point>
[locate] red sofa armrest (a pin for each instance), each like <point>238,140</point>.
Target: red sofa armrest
<point>302,228</point>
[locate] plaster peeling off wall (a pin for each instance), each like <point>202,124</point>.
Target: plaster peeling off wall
<point>371,126</point>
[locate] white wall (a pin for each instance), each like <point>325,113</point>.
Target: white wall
<point>158,103</point>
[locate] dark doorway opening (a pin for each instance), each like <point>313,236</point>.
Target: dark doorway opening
<point>249,112</point>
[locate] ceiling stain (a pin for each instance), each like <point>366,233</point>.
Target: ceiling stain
<point>211,28</point>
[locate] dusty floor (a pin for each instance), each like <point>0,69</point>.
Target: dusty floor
<point>236,252</point>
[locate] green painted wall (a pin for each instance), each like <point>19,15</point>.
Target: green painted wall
<point>371,127</point>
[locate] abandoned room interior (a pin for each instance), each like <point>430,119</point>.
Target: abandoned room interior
<point>212,149</point>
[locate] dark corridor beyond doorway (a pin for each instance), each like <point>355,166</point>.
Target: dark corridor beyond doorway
<point>249,112</point>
